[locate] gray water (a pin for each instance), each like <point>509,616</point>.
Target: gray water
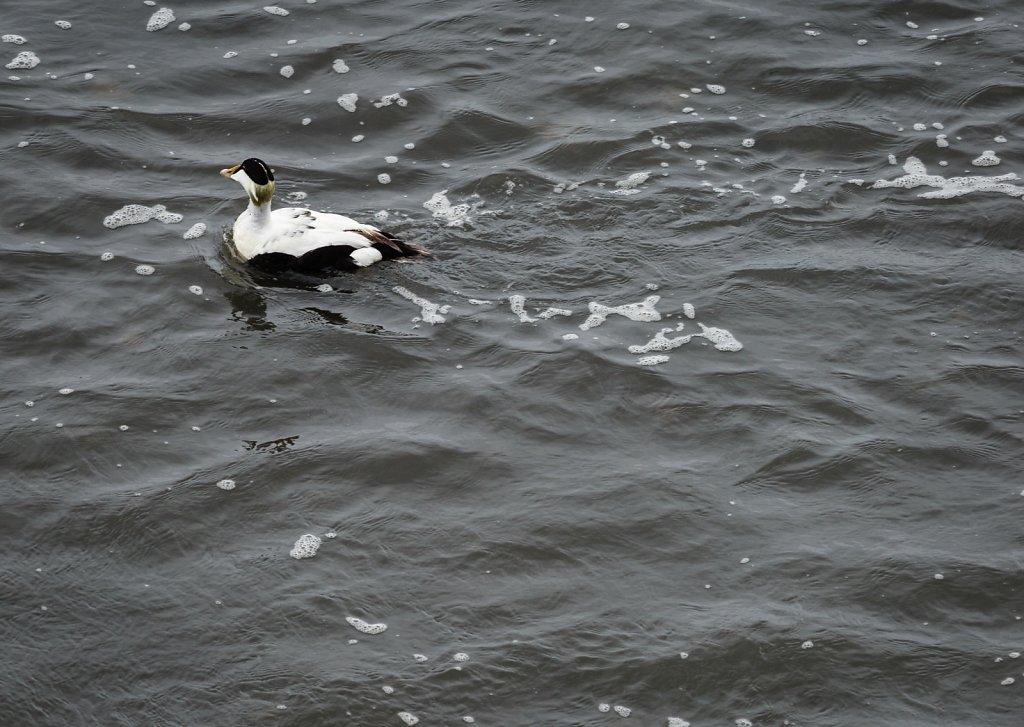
<point>808,515</point>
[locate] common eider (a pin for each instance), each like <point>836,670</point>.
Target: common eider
<point>294,238</point>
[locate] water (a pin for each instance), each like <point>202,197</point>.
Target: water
<point>778,482</point>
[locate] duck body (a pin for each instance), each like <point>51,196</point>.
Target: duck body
<point>303,240</point>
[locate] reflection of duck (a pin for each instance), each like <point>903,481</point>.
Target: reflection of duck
<point>294,238</point>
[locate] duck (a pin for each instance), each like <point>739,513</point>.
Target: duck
<point>303,240</point>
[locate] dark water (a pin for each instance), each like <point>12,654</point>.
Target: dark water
<point>827,522</point>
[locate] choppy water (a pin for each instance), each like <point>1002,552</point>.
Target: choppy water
<point>694,417</point>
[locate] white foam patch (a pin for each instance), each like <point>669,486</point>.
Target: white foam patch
<point>778,199</point>
<point>348,101</point>
<point>366,628</point>
<point>196,230</point>
<point>654,360</point>
<point>226,484</point>
<point>185,27</point>
<point>409,718</point>
<point>642,311</point>
<point>384,178</point>
<point>275,10</point>
<point>305,547</point>
<point>917,176</point>
<point>391,98</point>
<point>429,312</point>
<point>987,159</point>
<point>62,24</point>
<point>136,214</point>
<point>518,305</point>
<point>24,60</point>
<point>339,66</point>
<point>677,722</point>
<point>629,185</point>
<point>460,656</point>
<point>715,88</point>
<point>160,19</point>
<point>622,711</point>
<point>800,184</point>
<point>107,256</point>
<point>287,71</point>
<point>419,657</point>
<point>748,143</point>
<point>552,312</point>
<point>12,38</point>
<point>195,289</point>
<point>688,310</point>
<point>661,342</point>
<point>720,338</point>
<point>456,215</point>
<point>144,269</point>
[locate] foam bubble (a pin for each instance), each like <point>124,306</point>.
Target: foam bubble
<point>999,139</point>
<point>419,657</point>
<point>807,644</point>
<point>744,722</point>
<point>409,718</point>
<point>468,719</point>
<point>358,138</point>
<point>622,26</point>
<point>196,230</point>
<point>604,707</point>
<point>391,98</point>
<point>987,159</point>
<point>366,628</point>
<point>387,690</point>
<point>62,24</point>
<point>455,215</point>
<point>643,311</point>
<point>145,269</point>
<point>384,178</point>
<point>429,312</point>
<point>136,214</point>
<point>552,312</point>
<point>677,722</point>
<point>654,360</point>
<point>629,185</point>
<point>622,711</point>
<point>123,427</point>
<point>324,288</point>
<point>1007,682</point>
<point>917,176</point>
<point>575,336</point>
<point>230,54</point>
<point>160,19</point>
<point>275,10</point>
<point>348,101</point>
<point>195,289</point>
<point>716,89</point>
<point>778,199</point>
<point>688,310</point>
<point>661,342</point>
<point>65,391</point>
<point>227,484</point>
<point>518,305</point>
<point>720,338</point>
<point>339,66</point>
<point>287,71</point>
<point>305,547</point>
<point>107,256</point>
<point>461,656</point>
<point>185,27</point>
<point>747,143</point>
<point>684,655</point>
<point>26,59</point>
<point>12,38</point>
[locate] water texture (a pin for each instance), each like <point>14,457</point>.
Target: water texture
<point>706,409</point>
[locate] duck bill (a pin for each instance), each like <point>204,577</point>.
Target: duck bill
<point>228,172</point>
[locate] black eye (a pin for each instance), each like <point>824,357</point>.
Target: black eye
<point>258,171</point>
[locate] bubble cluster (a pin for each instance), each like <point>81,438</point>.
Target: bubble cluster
<point>988,158</point>
<point>384,178</point>
<point>720,338</point>
<point>144,269</point>
<point>24,60</point>
<point>62,24</point>
<point>196,230</point>
<point>305,547</point>
<point>461,656</point>
<point>715,88</point>
<point>227,484</point>
<point>642,311</point>
<point>916,175</point>
<point>409,718</point>
<point>660,342</point>
<point>136,214</point>
<point>629,185</point>
<point>287,71</point>
<point>107,256</point>
<point>12,38</point>
<point>677,722</point>
<point>160,19</point>
<point>275,10</point>
<point>455,215</point>
<point>429,312</point>
<point>622,711</point>
<point>348,101</point>
<point>391,98</point>
<point>518,305</point>
<point>654,360</point>
<point>195,289</point>
<point>339,66</point>
<point>366,628</point>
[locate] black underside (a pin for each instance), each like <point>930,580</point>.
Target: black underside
<point>330,259</point>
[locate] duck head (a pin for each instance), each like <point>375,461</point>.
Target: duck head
<point>255,177</point>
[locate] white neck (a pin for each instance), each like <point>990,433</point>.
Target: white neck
<point>252,229</point>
